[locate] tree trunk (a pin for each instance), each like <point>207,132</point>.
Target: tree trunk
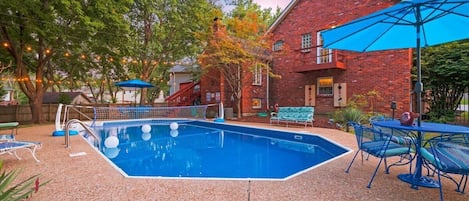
<point>36,110</point>
<point>238,105</point>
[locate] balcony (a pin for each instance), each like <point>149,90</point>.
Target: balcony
<point>318,58</point>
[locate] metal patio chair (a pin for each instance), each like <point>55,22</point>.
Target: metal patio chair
<point>448,156</point>
<point>380,145</point>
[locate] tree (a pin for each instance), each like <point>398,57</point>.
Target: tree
<point>445,69</point>
<point>35,34</point>
<point>3,68</point>
<point>164,32</point>
<point>236,47</point>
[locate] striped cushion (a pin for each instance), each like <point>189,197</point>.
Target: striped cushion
<point>450,157</point>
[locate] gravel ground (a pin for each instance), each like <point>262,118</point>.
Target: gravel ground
<point>91,177</point>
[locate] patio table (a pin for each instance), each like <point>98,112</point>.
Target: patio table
<point>416,179</point>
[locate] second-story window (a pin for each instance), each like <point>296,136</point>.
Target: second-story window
<point>277,46</point>
<point>257,75</point>
<point>306,43</point>
<point>324,55</point>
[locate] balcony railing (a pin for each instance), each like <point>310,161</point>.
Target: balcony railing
<point>320,59</point>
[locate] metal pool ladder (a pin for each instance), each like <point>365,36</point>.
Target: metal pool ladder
<point>85,126</point>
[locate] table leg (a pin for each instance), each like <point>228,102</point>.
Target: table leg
<point>416,179</point>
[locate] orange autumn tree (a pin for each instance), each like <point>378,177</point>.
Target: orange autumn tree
<point>234,48</point>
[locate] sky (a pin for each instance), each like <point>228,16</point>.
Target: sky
<point>272,3</point>
<point>263,3</point>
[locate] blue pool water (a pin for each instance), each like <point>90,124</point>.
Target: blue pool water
<point>201,149</point>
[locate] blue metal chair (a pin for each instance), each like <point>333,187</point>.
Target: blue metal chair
<point>380,145</point>
<point>448,155</point>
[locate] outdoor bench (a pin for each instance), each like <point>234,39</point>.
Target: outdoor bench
<point>300,115</point>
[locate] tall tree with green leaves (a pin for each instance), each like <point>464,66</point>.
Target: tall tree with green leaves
<point>38,35</point>
<point>445,73</point>
<point>163,32</point>
<point>236,45</point>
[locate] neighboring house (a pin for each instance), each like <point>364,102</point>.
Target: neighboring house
<point>76,98</point>
<point>9,97</point>
<point>179,74</point>
<point>328,79</point>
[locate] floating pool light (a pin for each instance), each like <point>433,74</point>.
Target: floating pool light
<point>111,152</point>
<point>146,128</point>
<point>111,142</point>
<point>146,136</point>
<point>174,133</point>
<point>174,126</point>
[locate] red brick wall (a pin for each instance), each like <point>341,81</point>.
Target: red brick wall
<point>210,83</point>
<point>388,72</point>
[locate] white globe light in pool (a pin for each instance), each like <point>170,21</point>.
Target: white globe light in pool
<point>111,142</point>
<point>113,132</point>
<point>174,126</point>
<point>146,136</point>
<point>111,152</point>
<point>146,128</point>
<point>174,133</point>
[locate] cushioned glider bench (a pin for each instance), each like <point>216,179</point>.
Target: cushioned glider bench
<point>298,115</point>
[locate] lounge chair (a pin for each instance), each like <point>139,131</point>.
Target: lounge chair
<point>9,144</point>
<point>8,135</point>
<point>10,147</point>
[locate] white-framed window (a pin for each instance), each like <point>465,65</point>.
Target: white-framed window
<point>325,86</point>
<point>324,55</point>
<point>277,46</point>
<point>257,75</point>
<point>256,103</point>
<point>306,43</point>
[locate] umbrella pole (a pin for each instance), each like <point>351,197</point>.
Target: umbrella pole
<point>418,90</point>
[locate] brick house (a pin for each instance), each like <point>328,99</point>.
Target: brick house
<point>314,76</point>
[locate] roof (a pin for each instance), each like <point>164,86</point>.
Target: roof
<point>53,97</point>
<point>182,69</point>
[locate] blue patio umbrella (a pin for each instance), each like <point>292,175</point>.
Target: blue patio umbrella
<point>408,24</point>
<point>135,83</point>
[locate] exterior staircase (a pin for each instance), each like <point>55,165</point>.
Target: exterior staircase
<point>188,94</point>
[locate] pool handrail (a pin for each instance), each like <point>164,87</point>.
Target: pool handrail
<point>85,126</point>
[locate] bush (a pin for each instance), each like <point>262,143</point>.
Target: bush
<point>21,191</point>
<point>64,99</point>
<point>348,114</point>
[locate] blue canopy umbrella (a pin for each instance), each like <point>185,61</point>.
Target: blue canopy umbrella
<point>408,24</point>
<point>135,83</point>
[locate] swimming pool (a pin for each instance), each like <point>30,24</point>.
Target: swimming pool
<point>202,149</point>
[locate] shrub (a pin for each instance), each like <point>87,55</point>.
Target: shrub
<point>21,191</point>
<point>348,114</point>
<point>64,99</point>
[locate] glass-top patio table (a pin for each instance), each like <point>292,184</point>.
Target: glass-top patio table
<point>416,178</point>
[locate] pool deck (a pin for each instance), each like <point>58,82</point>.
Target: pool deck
<point>91,177</point>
